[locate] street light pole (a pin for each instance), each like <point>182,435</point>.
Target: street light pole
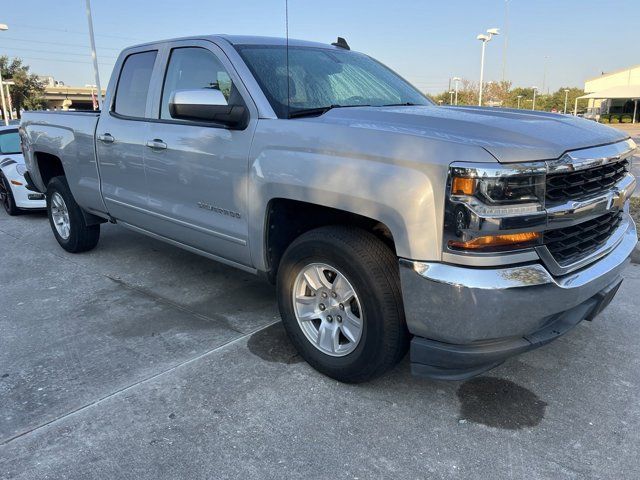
<point>566,98</point>
<point>94,55</point>
<point>484,38</point>
<point>519,97</point>
<point>3,27</point>
<point>455,82</point>
<point>484,44</point>
<point>451,97</point>
<point>535,89</point>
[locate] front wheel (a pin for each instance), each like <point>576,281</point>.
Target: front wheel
<point>6,197</point>
<point>66,219</point>
<point>340,301</point>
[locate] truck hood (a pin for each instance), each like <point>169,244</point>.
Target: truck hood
<point>508,135</point>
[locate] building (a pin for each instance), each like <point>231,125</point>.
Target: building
<point>59,96</point>
<point>615,93</point>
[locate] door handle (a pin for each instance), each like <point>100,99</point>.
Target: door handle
<point>106,138</point>
<point>156,144</point>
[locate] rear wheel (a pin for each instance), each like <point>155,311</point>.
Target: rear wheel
<point>340,301</point>
<point>66,219</point>
<point>6,197</point>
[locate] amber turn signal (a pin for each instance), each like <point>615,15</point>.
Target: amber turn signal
<point>463,186</point>
<point>15,182</point>
<point>491,241</point>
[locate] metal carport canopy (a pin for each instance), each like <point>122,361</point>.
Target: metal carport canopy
<point>624,91</point>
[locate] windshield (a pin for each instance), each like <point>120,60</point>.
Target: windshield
<point>323,78</point>
<point>10,142</point>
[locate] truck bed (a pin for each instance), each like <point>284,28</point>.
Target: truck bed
<point>68,136</point>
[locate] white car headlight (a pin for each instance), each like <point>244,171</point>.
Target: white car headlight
<point>21,169</point>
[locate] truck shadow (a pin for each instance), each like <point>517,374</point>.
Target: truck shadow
<point>489,401</point>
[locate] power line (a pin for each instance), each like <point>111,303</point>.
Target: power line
<point>56,60</point>
<point>76,45</point>
<point>74,32</point>
<point>55,52</point>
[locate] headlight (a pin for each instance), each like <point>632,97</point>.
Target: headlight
<point>493,207</point>
<point>489,187</point>
<point>21,169</point>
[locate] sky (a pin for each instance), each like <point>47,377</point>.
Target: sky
<point>427,41</point>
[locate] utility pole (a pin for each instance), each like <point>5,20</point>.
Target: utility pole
<point>451,97</point>
<point>544,76</point>
<point>7,83</point>
<point>519,97</point>
<point>506,40</point>
<point>3,27</point>
<point>535,89</point>
<point>94,55</point>
<point>566,98</point>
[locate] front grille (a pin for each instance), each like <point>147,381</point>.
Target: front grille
<point>570,244</point>
<point>582,183</point>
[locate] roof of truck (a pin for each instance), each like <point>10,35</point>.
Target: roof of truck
<point>245,40</point>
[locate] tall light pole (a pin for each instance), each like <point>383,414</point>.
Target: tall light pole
<point>3,27</point>
<point>94,55</point>
<point>566,98</point>
<point>519,97</point>
<point>455,81</point>
<point>484,38</point>
<point>535,89</point>
<point>451,97</point>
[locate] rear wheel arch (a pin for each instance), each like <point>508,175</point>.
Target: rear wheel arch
<point>49,167</point>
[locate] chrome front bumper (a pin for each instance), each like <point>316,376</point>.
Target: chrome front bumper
<point>462,305</point>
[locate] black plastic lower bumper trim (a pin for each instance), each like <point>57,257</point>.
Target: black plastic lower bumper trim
<point>446,361</point>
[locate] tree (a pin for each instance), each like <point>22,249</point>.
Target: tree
<point>27,93</point>
<point>502,94</point>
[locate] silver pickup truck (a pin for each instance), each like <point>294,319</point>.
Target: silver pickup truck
<point>465,234</point>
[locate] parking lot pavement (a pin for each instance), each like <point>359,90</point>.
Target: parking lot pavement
<point>139,360</point>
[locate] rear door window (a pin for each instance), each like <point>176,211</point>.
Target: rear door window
<point>133,85</point>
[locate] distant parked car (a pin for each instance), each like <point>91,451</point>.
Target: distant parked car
<point>14,195</point>
<point>592,114</point>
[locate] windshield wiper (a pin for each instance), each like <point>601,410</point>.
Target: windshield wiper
<point>317,111</point>
<point>407,104</point>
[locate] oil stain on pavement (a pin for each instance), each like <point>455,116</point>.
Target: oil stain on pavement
<point>273,345</point>
<point>499,403</point>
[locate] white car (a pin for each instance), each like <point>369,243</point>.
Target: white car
<point>14,194</point>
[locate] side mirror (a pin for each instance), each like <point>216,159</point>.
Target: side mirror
<point>208,104</point>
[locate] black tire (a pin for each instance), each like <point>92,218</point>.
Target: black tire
<point>8,202</point>
<point>372,269</point>
<point>82,237</point>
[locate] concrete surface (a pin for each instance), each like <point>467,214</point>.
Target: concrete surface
<point>142,361</point>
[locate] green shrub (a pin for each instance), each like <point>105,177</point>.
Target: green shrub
<point>614,119</point>
<point>605,118</point>
<point>626,118</point>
